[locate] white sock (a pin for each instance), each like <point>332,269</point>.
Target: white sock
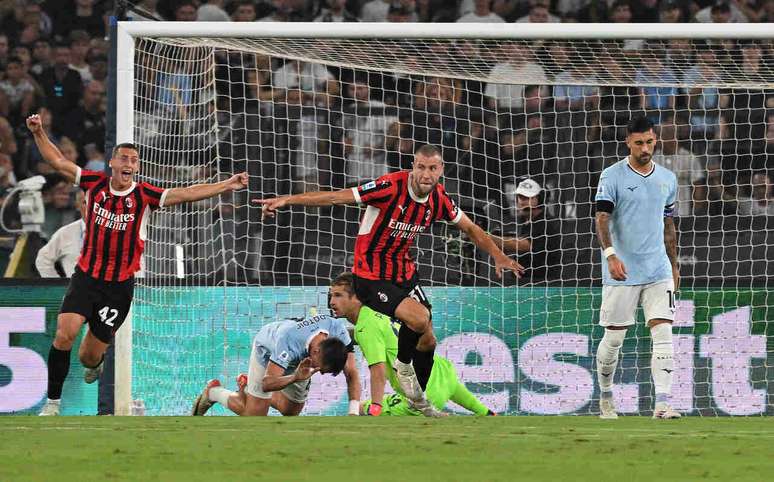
<point>661,362</point>
<point>55,402</point>
<point>220,395</point>
<point>607,359</point>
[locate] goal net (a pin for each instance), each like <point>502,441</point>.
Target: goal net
<point>309,111</point>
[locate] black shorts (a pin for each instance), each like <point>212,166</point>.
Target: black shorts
<point>105,304</point>
<point>385,296</point>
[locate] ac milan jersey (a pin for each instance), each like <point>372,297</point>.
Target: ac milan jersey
<point>393,218</point>
<point>115,225</point>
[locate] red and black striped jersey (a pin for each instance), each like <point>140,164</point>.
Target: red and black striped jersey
<point>393,218</point>
<point>116,225</point>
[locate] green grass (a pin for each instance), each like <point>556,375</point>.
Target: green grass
<point>375,449</point>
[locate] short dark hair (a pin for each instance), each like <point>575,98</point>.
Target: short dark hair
<point>127,145</point>
<point>638,124</point>
<point>429,150</point>
<point>345,279</point>
<point>334,355</point>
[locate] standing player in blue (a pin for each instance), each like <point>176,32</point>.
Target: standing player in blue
<point>284,357</point>
<point>635,204</point>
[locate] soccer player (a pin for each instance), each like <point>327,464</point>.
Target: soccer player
<point>284,357</point>
<point>400,206</point>
<point>378,339</point>
<point>101,288</point>
<point>635,204</point>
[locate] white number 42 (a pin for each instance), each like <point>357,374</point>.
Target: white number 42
<point>108,314</point>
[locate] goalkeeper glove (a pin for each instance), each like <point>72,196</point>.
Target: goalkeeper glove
<point>374,409</point>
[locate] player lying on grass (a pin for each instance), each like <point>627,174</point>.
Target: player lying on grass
<point>284,357</point>
<point>377,336</point>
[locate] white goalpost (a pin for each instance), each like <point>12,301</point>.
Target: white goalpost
<point>320,106</point>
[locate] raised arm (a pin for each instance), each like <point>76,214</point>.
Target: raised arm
<point>198,192</point>
<point>353,383</point>
<point>320,198</point>
<point>483,241</point>
<point>512,245</point>
<point>49,151</point>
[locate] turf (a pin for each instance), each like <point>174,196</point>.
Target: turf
<point>375,449</point>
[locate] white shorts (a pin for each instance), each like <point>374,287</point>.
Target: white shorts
<point>295,392</point>
<point>619,303</point>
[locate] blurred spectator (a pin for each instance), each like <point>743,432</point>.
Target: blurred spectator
<point>720,12</point>
<point>17,93</point>
<point>767,11</point>
<point>61,85</point>
<point>212,11</point>
<point>711,198</point>
<point>79,49</point>
<point>98,67</point>
<point>87,17</point>
<point>58,202</point>
<point>517,62</point>
<point>336,12</point>
<point>285,11</point>
<point>302,80</point>
<point>4,50</point>
<point>539,13</point>
<point>402,11</point>
<point>620,11</point>
<point>375,11</point>
<point>185,11</point>
<point>86,124</point>
<point>41,57</point>
<point>482,13</point>
<point>670,11</point>
<point>645,11</point>
<point>704,102</point>
<point>27,24</point>
<point>65,245</point>
<point>761,199</point>
<point>8,145</point>
<point>673,156</point>
<point>7,176</point>
<point>365,130</point>
<point>532,233</point>
<point>659,102</point>
<point>244,11</point>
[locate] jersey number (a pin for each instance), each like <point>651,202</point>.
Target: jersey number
<point>671,296</point>
<point>108,314</point>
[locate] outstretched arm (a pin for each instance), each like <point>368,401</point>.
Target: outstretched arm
<point>512,245</point>
<point>320,198</point>
<point>49,151</point>
<point>378,379</point>
<point>483,241</point>
<point>198,192</point>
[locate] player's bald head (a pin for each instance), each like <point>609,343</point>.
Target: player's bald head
<point>428,151</point>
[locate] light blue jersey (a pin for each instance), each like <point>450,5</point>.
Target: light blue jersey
<point>637,223</point>
<point>286,342</point>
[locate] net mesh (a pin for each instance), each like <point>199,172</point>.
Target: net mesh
<point>309,114</point>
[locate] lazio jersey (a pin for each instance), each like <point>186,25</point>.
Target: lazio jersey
<point>286,342</point>
<point>637,221</point>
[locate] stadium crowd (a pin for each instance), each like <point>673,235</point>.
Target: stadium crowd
<point>316,127</point>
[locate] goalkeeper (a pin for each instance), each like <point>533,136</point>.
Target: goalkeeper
<point>378,339</point>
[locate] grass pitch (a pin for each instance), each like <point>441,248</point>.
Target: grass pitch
<point>389,449</point>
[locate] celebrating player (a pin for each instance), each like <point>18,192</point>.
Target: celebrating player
<point>635,204</point>
<point>401,205</point>
<point>284,357</point>
<point>102,285</point>
<point>378,340</point>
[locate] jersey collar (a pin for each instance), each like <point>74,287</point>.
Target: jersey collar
<point>124,192</point>
<point>413,195</point>
<point>652,168</point>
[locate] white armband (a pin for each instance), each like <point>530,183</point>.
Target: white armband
<point>609,252</point>
<point>354,407</point>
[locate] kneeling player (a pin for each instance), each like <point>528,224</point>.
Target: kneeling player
<point>377,336</point>
<point>284,357</point>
